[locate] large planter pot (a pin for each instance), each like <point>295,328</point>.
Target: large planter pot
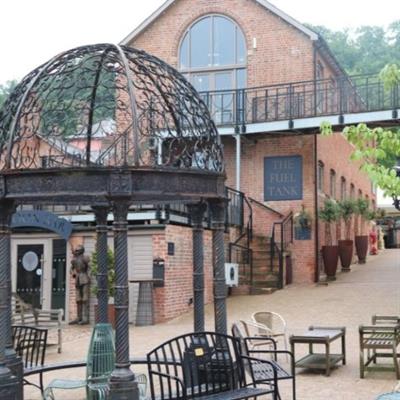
<point>330,255</point>
<point>346,254</point>
<point>361,248</point>
<point>111,314</point>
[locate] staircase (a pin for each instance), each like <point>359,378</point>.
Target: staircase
<point>260,258</point>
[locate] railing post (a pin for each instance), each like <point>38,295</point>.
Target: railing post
<point>11,368</point>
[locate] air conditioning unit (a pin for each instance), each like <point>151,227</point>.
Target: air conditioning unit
<point>232,274</point>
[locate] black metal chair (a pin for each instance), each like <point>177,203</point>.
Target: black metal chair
<point>265,372</point>
<point>30,344</point>
<point>206,365</point>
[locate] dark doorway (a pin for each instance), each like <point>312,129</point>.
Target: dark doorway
<point>58,274</point>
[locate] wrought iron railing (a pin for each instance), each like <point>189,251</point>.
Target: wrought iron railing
<point>282,235</point>
<point>239,250</point>
<point>333,96</point>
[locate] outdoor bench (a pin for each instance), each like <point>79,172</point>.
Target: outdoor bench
<point>379,341</point>
<point>207,366</point>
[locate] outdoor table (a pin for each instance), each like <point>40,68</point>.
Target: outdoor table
<point>324,336</point>
<point>145,309</point>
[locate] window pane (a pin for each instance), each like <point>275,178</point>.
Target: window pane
<point>241,79</point>
<point>200,51</point>
<point>184,53</point>
<point>224,41</point>
<point>201,82</point>
<point>223,102</point>
<point>241,48</point>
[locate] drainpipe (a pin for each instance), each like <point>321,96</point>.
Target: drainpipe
<point>316,216</point>
<point>238,167</point>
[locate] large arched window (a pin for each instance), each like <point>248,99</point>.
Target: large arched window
<point>212,56</point>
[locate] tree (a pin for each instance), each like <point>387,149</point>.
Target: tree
<point>5,90</point>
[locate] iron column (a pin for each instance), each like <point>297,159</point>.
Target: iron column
<point>218,227</point>
<point>101,213</point>
<point>11,386</point>
<point>122,381</point>
<point>197,213</point>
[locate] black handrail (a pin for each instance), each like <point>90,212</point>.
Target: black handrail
<point>280,246</point>
<point>258,203</point>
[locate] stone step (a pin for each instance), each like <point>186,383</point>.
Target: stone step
<point>266,283</point>
<point>257,290</point>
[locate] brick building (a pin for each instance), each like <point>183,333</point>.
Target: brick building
<point>257,69</point>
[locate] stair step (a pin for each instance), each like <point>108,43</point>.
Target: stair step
<point>266,284</point>
<point>257,290</point>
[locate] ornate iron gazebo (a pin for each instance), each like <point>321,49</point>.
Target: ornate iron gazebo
<point>109,126</point>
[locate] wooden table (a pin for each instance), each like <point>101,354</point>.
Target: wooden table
<point>324,336</point>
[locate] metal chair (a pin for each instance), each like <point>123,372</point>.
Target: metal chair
<point>100,364</point>
<point>395,395</point>
<point>271,324</point>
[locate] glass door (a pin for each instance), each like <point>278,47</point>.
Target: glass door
<point>30,273</point>
<point>58,274</point>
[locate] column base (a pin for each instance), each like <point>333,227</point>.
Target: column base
<point>15,365</point>
<point>123,385</point>
<point>8,385</point>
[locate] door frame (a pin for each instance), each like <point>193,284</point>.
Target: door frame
<point>45,292</point>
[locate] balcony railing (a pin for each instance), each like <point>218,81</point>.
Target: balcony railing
<point>338,96</point>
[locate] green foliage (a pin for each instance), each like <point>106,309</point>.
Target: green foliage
<point>5,90</point>
<point>330,212</point>
<point>303,218</point>
<point>366,49</point>
<point>111,271</point>
<point>370,215</point>
<point>346,209</point>
<point>362,206</point>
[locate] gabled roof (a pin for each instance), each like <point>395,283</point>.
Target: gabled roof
<point>266,4</point>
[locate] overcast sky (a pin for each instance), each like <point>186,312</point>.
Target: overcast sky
<point>32,31</point>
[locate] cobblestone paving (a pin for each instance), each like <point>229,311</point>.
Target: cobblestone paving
<point>373,288</point>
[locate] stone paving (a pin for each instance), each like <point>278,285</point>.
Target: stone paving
<point>351,300</point>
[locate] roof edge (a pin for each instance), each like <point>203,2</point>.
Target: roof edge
<point>151,18</point>
<point>264,3</point>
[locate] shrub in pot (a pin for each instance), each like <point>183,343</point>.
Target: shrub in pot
<point>110,283</point>
<point>347,209</point>
<point>361,240</point>
<point>330,254</point>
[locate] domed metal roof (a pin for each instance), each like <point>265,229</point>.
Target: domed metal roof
<point>107,106</point>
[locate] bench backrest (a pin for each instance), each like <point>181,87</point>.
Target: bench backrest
<point>30,344</point>
<point>201,363</point>
<point>21,312</point>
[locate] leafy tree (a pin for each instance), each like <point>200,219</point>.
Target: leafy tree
<point>5,90</point>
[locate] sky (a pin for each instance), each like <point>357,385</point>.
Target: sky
<point>33,31</point>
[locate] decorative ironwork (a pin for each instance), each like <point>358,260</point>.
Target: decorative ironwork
<point>106,105</point>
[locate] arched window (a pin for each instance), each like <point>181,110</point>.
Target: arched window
<point>321,171</point>
<point>332,184</point>
<point>352,191</point>
<point>343,188</point>
<point>212,56</point>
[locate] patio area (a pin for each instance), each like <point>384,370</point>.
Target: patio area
<point>351,300</point>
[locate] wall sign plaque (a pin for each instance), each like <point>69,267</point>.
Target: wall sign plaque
<point>283,178</point>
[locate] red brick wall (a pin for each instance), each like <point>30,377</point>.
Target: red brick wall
<point>173,299</point>
<point>252,183</point>
<point>283,53</point>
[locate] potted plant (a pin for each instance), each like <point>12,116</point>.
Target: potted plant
<point>347,208</point>
<point>302,224</point>
<point>361,241</point>
<point>330,254</point>
<point>110,282</point>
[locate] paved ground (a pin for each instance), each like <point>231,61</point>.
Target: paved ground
<point>368,289</point>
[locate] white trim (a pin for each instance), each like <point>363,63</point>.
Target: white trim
<point>264,3</point>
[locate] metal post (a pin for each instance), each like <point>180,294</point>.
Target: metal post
<point>101,213</point>
<point>11,384</point>
<point>122,381</point>
<point>238,166</point>
<point>197,213</point>
<point>217,226</point>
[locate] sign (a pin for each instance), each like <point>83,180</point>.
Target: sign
<point>30,261</point>
<point>283,178</point>
<point>42,219</point>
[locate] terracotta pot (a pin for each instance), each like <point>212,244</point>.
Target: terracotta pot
<point>111,314</point>
<point>361,248</point>
<point>346,254</point>
<point>330,255</point>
